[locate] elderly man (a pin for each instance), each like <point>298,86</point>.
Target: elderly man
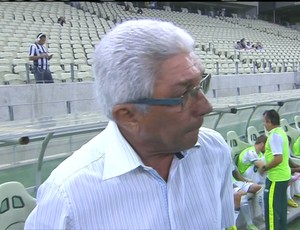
<point>153,167</point>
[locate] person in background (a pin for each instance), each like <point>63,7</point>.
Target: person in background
<point>154,166</point>
<point>61,20</point>
<point>139,11</point>
<point>243,43</point>
<point>294,184</point>
<point>238,45</point>
<point>252,158</point>
<point>278,172</point>
<point>296,147</point>
<point>238,194</point>
<point>40,57</point>
<point>247,186</point>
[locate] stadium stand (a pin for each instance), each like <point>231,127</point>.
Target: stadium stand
<point>74,42</point>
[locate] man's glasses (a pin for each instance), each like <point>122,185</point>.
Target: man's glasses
<point>185,100</point>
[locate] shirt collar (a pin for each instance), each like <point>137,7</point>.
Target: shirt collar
<point>120,157</point>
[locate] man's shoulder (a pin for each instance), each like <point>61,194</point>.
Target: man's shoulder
<point>209,133</point>
<point>79,163</point>
<point>211,138</point>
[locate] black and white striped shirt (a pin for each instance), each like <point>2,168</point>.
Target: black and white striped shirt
<point>36,50</point>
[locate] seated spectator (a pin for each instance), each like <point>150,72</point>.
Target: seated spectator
<point>248,46</point>
<point>126,7</point>
<point>140,11</point>
<point>252,158</point>
<point>294,185</point>
<point>238,194</point>
<point>259,46</point>
<point>243,43</point>
<point>238,45</point>
<point>61,20</point>
<point>296,147</point>
<point>247,186</point>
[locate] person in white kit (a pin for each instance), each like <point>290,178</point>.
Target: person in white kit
<point>39,55</point>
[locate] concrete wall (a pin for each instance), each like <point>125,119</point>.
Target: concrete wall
<point>18,102</point>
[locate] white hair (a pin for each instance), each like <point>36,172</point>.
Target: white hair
<point>128,58</point>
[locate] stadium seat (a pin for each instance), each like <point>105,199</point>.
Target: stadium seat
<point>84,76</point>
<point>8,54</point>
<point>81,61</point>
<point>20,70</point>
<point>79,56</point>
<point>67,64</point>
<point>23,55</point>
<point>55,60</point>
<point>56,78</point>
<point>65,77</point>
<point>236,144</point>
<point>290,131</point>
<point>20,61</point>
<point>16,205</point>
<point>3,71</point>
<point>252,135</point>
<point>84,68</point>
<point>67,55</point>
<point>12,79</point>
<point>56,69</point>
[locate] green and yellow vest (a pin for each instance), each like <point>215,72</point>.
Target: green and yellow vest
<point>244,166</point>
<point>296,147</point>
<point>281,172</point>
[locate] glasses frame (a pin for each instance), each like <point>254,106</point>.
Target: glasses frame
<point>203,87</point>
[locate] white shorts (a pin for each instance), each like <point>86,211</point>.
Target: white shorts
<point>244,186</point>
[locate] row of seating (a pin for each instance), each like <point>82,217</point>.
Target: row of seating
<point>85,26</point>
<point>58,77</point>
<point>237,145</point>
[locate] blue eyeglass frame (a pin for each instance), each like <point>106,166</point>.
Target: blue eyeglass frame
<point>203,86</point>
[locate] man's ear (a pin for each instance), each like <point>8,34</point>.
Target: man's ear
<point>126,115</point>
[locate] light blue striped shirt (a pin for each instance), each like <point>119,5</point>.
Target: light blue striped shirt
<point>105,185</point>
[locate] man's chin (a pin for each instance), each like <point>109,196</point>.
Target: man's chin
<point>192,137</point>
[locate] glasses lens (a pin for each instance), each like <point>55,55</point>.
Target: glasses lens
<point>190,97</point>
<point>205,82</point>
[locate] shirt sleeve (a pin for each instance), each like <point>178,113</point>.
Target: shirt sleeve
<point>250,157</point>
<point>52,210</point>
<point>276,143</point>
<point>227,191</point>
<point>32,50</point>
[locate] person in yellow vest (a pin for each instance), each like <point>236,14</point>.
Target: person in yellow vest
<point>252,158</point>
<point>296,147</point>
<point>278,172</point>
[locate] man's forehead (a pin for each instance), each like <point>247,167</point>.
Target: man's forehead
<point>190,62</point>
